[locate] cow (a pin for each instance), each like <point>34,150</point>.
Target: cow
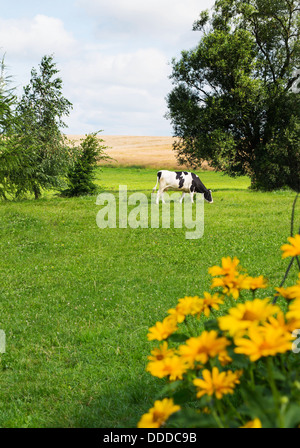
<point>180,181</point>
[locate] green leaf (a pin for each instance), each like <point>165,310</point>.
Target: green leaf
<point>292,416</point>
<point>191,418</point>
<point>211,324</point>
<point>260,404</point>
<point>178,337</point>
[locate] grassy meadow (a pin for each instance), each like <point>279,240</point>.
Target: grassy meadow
<point>76,301</point>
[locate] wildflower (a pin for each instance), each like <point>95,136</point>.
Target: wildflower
<point>159,414</point>
<point>256,423</point>
<point>173,366</point>
<point>294,310</point>
<point>228,267</point>
<point>256,282</point>
<point>186,306</point>
<point>292,249</point>
<point>218,383</point>
<point>224,358</point>
<point>231,284</point>
<point>201,348</point>
<point>292,292</point>
<point>162,330</point>
<point>158,354</point>
<point>211,301</point>
<point>244,315</point>
<point>263,341</point>
<point>280,322</point>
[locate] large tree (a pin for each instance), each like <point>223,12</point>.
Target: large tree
<point>39,123</point>
<point>12,156</point>
<point>235,102</point>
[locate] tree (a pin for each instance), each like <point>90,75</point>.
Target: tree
<point>39,119</point>
<point>81,175</point>
<point>235,101</point>
<point>7,99</point>
<point>12,156</point>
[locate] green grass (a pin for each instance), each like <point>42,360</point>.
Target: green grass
<point>145,179</point>
<point>76,301</point>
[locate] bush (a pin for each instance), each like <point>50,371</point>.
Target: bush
<point>80,177</point>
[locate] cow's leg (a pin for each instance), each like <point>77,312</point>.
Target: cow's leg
<point>192,196</point>
<point>160,193</point>
<point>162,197</point>
<point>183,194</point>
<point>157,197</point>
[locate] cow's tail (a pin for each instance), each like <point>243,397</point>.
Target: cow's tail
<point>158,178</point>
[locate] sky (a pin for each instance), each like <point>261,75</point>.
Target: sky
<point>114,57</point>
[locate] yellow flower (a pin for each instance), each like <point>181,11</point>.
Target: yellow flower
<point>228,267</point>
<point>211,301</point>
<point>186,306</point>
<point>257,282</point>
<point>173,366</point>
<point>292,249</point>
<point>256,423</point>
<point>158,354</point>
<point>218,383</point>
<point>224,358</point>
<point>279,322</point>
<point>231,284</point>
<point>203,347</point>
<point>244,315</point>
<point>159,414</point>
<point>263,341</point>
<point>162,330</point>
<point>294,310</point>
<point>292,292</point>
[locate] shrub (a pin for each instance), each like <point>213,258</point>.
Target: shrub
<point>80,177</point>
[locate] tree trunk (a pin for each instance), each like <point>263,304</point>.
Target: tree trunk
<point>37,192</point>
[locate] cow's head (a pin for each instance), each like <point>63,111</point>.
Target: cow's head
<point>208,196</point>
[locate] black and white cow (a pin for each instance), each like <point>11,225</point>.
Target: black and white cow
<point>181,181</point>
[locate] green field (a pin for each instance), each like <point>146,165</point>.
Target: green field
<point>77,301</point>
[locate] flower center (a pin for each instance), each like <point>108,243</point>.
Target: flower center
<point>249,315</point>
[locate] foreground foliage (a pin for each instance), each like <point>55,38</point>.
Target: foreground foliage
<point>237,370</point>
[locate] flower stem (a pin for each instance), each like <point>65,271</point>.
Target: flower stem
<point>216,416</point>
<point>252,376</point>
<point>274,390</point>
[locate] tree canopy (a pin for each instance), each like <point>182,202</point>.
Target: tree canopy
<point>235,102</point>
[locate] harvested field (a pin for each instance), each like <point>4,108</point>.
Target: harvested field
<point>148,152</point>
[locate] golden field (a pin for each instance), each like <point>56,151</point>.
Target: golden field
<point>149,152</point>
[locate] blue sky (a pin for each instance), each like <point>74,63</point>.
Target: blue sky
<point>113,56</point>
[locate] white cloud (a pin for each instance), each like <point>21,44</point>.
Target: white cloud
<point>30,38</point>
<point>145,67</point>
<point>113,58</point>
<point>120,90</point>
<point>147,16</point>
